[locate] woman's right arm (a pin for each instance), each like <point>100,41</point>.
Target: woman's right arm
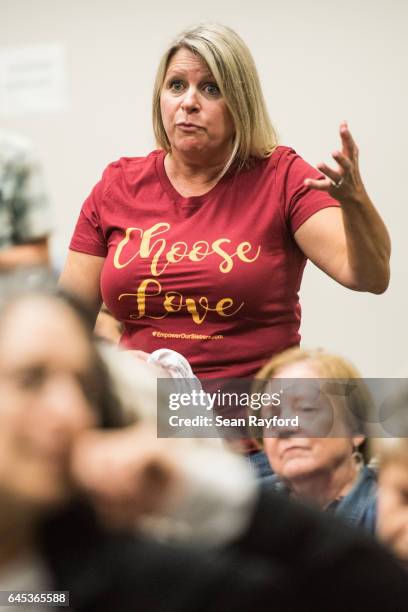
<point>81,275</point>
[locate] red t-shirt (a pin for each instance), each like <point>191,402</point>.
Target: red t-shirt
<point>215,277</point>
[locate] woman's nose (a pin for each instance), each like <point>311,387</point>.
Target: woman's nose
<point>289,425</point>
<point>190,102</point>
<point>60,411</point>
<point>63,402</point>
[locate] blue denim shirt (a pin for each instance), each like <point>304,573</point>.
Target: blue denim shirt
<point>357,508</point>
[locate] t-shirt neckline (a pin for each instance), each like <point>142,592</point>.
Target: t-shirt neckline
<point>168,187</point>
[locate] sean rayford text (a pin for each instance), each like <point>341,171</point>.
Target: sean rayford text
<point>203,422</point>
<point>207,401</point>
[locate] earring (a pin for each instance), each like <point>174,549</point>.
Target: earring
<point>358,457</point>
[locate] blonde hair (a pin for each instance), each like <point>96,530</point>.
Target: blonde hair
<point>235,73</point>
<point>327,364</point>
<point>330,366</point>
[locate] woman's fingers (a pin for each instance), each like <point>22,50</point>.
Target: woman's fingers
<point>320,184</point>
<point>345,180</point>
<point>350,148</point>
<point>344,162</point>
<point>339,175</point>
<point>334,175</point>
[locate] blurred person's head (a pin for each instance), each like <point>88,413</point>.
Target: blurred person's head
<point>392,453</point>
<point>52,387</point>
<point>323,449</point>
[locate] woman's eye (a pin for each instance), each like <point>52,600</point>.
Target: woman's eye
<point>308,409</point>
<point>404,497</point>
<point>176,85</point>
<point>212,89</point>
<point>31,379</point>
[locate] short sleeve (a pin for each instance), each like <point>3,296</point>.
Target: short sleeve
<point>301,202</point>
<point>88,236</point>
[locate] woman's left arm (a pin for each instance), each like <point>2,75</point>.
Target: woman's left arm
<point>350,244</point>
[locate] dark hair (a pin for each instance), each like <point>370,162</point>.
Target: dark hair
<point>38,282</point>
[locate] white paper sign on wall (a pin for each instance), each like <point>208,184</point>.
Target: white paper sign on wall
<point>33,79</point>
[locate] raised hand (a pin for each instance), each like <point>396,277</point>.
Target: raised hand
<point>344,182</point>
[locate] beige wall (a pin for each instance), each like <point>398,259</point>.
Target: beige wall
<point>320,61</point>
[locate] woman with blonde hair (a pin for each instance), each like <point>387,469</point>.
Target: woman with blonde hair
<point>320,457</point>
<point>201,245</point>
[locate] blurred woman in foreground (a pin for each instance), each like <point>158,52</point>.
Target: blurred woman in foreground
<point>53,391</point>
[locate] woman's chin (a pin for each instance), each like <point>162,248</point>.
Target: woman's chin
<point>190,146</point>
<point>295,468</point>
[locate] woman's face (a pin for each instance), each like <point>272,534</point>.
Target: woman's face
<point>195,116</point>
<point>45,378</point>
<point>393,507</point>
<point>294,453</point>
